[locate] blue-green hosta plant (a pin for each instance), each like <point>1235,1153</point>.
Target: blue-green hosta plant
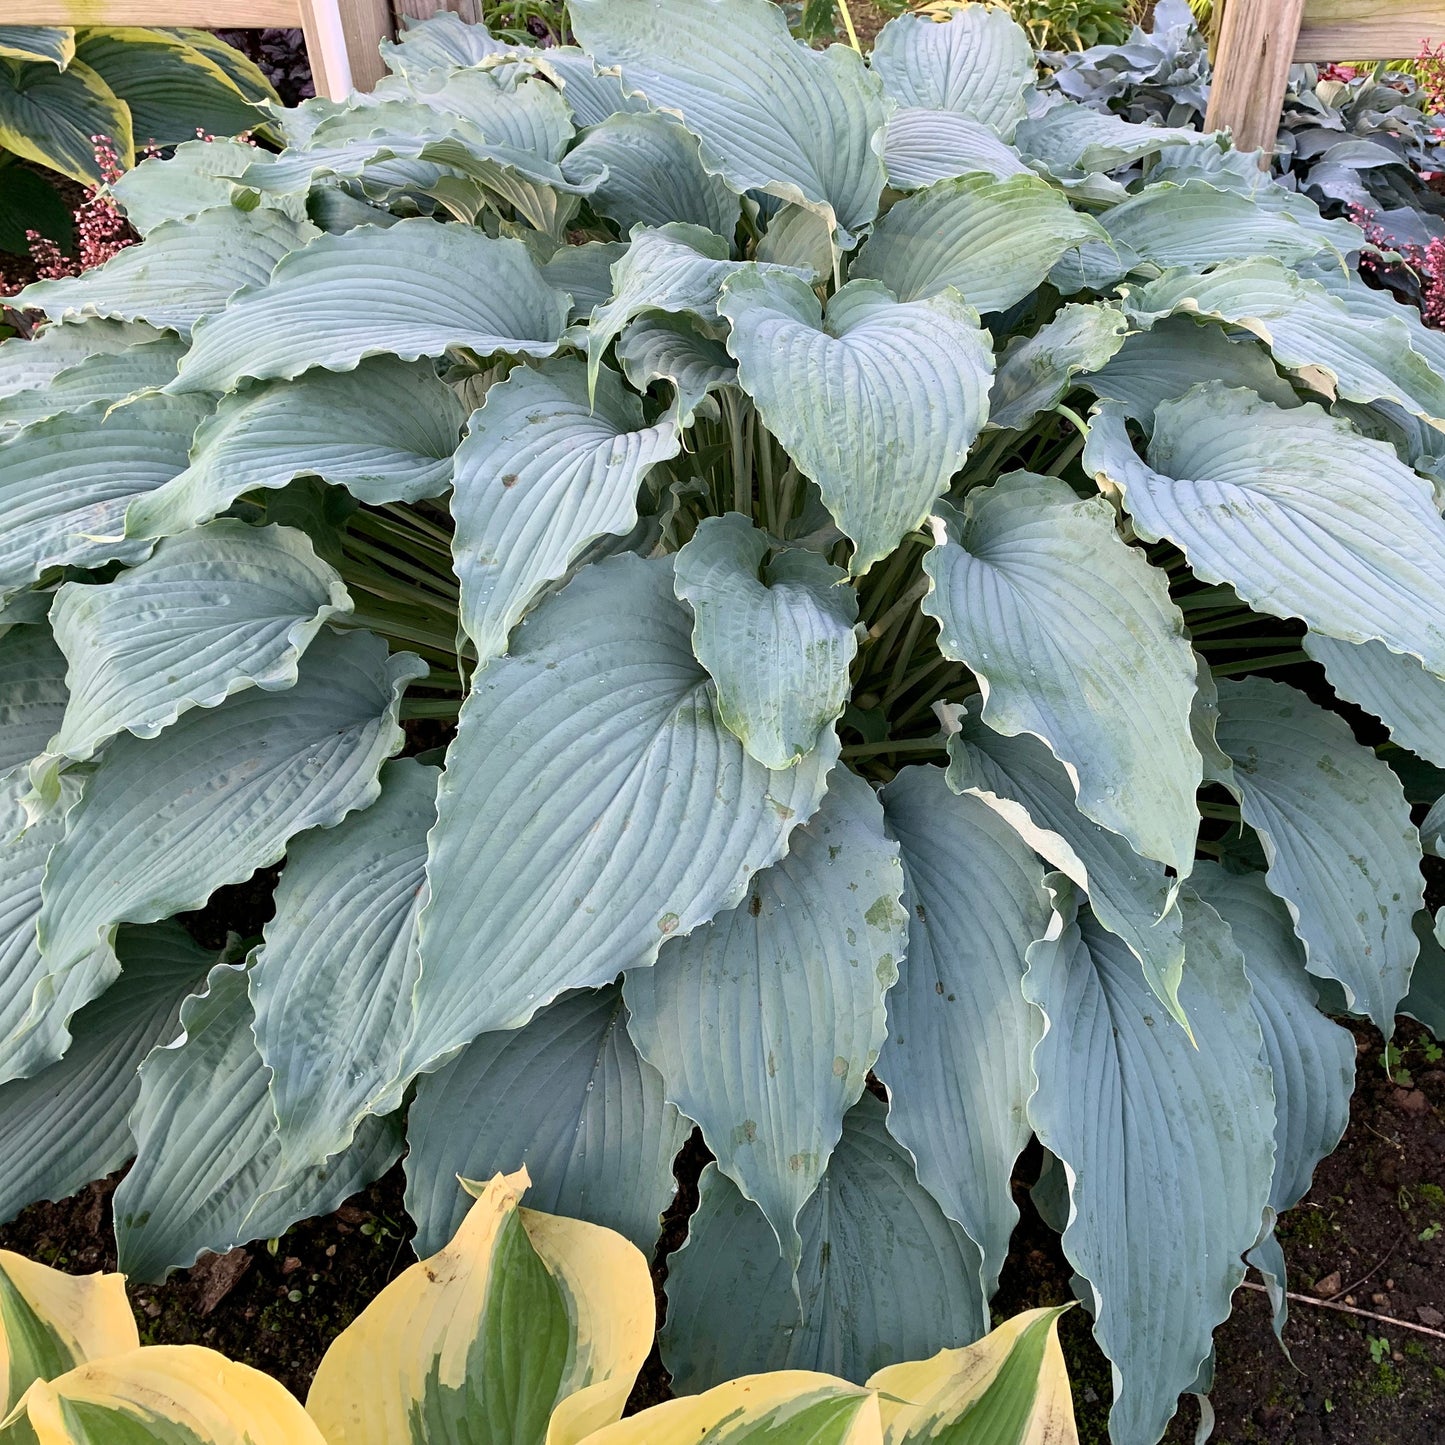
<point>729,573</point>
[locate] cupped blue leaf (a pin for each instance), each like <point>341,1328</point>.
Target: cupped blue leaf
<point>674,349</point>
<point>1036,372</point>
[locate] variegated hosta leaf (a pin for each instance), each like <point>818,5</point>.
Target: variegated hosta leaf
<point>1036,372</point>
<point>567,852</point>
<point>1395,688</point>
<point>569,1099</point>
<point>979,63</point>
<point>198,175</point>
<point>924,146</point>
<point>654,175</point>
<point>55,43</point>
<point>956,1063</point>
<point>108,377</point>
<point>673,349</point>
<point>32,365</point>
<point>877,401</point>
<point>774,628</point>
<point>208,1173</point>
<point>182,271</point>
<point>1072,140</point>
<point>771,114</point>
<point>162,824</point>
<point>1012,1388</point>
<point>179,1394</point>
<point>410,290</point>
<point>994,240</point>
<point>67,1124</point>
<point>65,483</point>
<point>1229,477</point>
<point>543,473</point>
<point>210,613</point>
<point>1066,625</point>
<point>32,684</point>
<point>385,431</point>
<point>885,1276</point>
<point>1169,1147</point>
<point>525,1328</point>
<point>1022,781</point>
<point>331,985</point>
<point>51,116</point>
<point>803,964</point>
<point>1336,829</point>
<point>781,1406</point>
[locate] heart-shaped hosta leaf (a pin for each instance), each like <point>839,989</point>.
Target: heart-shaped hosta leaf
<point>1065,624</point>
<point>196,176</point>
<point>653,176</point>
<point>65,483</point>
<point>182,271</point>
<point>1336,829</point>
<point>993,240</point>
<point>884,1277</point>
<point>569,1099</point>
<point>66,1125</point>
<point>54,43</point>
<point>108,377</point>
<point>162,824</point>
<point>1396,689</point>
<point>978,62</point>
<point>877,402</point>
<point>567,852</point>
<point>543,473</point>
<point>1169,1147</point>
<point>804,963</point>
<point>1036,372</point>
<point>771,114</point>
<point>325,424</point>
<point>1229,476</point>
<point>332,983</point>
<point>956,1063</point>
<point>1022,781</point>
<point>924,146</point>
<point>208,1173</point>
<point>210,613</point>
<point>27,366</point>
<point>410,290</point>
<point>32,683</point>
<point>592,92</point>
<point>774,628</point>
<point>672,349</point>
<point>1073,140</point>
<point>51,117</point>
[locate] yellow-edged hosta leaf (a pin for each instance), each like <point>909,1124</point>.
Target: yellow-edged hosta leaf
<point>787,1407</point>
<point>1011,1388</point>
<point>50,1322</point>
<point>167,1395</point>
<point>526,1328</point>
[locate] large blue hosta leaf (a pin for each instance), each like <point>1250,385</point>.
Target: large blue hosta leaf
<point>593,805</point>
<point>771,114</point>
<point>1036,372</point>
<point>765,1022</point>
<point>960,1032</point>
<point>1169,1146</point>
<point>33,694</point>
<point>106,376</point>
<point>924,146</point>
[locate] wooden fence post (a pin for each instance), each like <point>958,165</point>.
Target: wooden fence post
<point>1251,69</point>
<point>342,40</point>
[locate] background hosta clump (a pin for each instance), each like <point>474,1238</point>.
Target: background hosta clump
<point>862,559</point>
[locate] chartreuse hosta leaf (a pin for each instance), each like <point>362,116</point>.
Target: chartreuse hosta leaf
<point>1169,1147</point>
<point>993,240</point>
<point>806,961</point>
<point>1336,829</point>
<point>55,43</point>
<point>1036,372</point>
<point>1022,781</point>
<point>332,983</point>
<point>182,271</point>
<point>105,377</point>
<point>162,824</point>
<point>1228,475</point>
<point>1062,621</point>
<point>385,431</point>
<point>32,681</point>
<point>169,1395</point>
<point>877,400</point>
<point>65,482</point>
<point>209,1173</point>
<point>410,290</point>
<point>956,1062</point>
<point>674,349</point>
<point>50,116</point>
<point>885,1275</point>
<point>773,625</point>
<point>565,853</point>
<point>978,63</point>
<point>543,473</point>
<point>924,146</point>
<point>569,1098</point>
<point>527,1328</point>
<point>67,1124</point>
<point>771,114</point>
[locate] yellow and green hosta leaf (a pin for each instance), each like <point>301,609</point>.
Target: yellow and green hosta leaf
<point>49,116</point>
<point>52,43</point>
